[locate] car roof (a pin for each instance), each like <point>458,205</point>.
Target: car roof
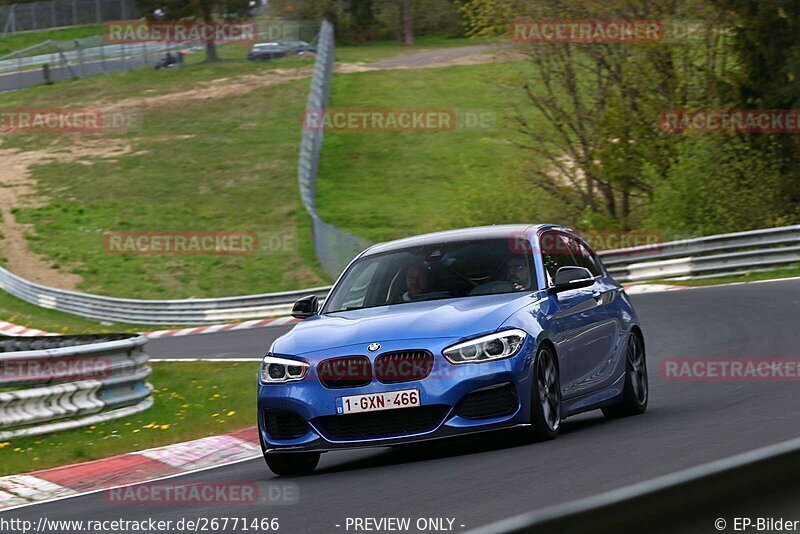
<point>504,231</point>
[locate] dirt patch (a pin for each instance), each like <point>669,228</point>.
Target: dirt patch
<point>18,189</point>
<point>435,59</point>
<point>443,57</point>
<point>219,88</point>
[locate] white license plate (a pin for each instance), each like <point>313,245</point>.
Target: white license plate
<point>373,402</point>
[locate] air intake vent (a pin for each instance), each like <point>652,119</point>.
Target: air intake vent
<point>345,372</point>
<point>403,366</point>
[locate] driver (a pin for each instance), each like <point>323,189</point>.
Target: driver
<point>418,282</point>
<point>518,273</point>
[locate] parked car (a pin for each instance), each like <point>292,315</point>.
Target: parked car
<point>299,47</point>
<point>448,334</point>
<point>267,51</point>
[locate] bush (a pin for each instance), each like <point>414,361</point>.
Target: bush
<point>720,184</point>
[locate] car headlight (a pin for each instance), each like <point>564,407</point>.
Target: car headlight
<point>487,348</point>
<point>276,370</point>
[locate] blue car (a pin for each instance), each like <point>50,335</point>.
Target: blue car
<point>447,334</point>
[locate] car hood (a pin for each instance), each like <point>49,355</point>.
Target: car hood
<point>447,318</point>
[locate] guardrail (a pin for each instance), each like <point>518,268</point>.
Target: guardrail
<point>691,258</point>
<point>723,254</point>
<point>706,498</point>
<point>70,381</point>
<point>154,312</point>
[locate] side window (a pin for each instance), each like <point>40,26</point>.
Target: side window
<point>556,253</point>
<point>584,256</point>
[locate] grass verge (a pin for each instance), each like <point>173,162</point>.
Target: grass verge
<point>776,274</point>
<point>192,400</point>
<point>22,313</point>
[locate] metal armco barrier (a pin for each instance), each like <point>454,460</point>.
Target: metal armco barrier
<point>154,312</point>
<point>705,256</point>
<point>694,500</point>
<point>717,254</point>
<point>62,382</point>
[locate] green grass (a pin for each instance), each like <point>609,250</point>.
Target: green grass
<point>776,274</point>
<point>225,164</point>
<point>229,164</point>
<point>20,40</point>
<point>386,185</point>
<point>192,400</point>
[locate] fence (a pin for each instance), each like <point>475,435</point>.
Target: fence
<point>70,381</point>
<point>92,56</point>
<point>80,58</point>
<point>57,13</point>
<point>333,247</point>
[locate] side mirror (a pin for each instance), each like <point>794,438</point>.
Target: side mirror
<point>572,278</point>
<point>305,307</point>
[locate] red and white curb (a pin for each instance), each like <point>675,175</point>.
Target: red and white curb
<point>11,329</point>
<point>210,329</point>
<point>128,469</point>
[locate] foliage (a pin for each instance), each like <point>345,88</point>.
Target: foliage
<point>608,161</point>
<point>358,21</point>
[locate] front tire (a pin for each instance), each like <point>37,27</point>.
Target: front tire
<point>288,464</point>
<point>637,389</point>
<point>545,397</point>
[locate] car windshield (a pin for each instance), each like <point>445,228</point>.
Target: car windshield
<point>433,272</point>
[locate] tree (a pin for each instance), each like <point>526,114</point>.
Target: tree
<point>594,108</point>
<point>766,38</point>
<point>205,11</point>
<point>407,14</point>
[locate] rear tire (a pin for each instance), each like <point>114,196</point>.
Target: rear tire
<point>286,464</point>
<point>636,392</point>
<point>545,397</point>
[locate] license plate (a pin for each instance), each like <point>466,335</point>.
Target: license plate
<point>373,402</point>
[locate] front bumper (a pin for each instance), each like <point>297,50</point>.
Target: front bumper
<point>443,392</point>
